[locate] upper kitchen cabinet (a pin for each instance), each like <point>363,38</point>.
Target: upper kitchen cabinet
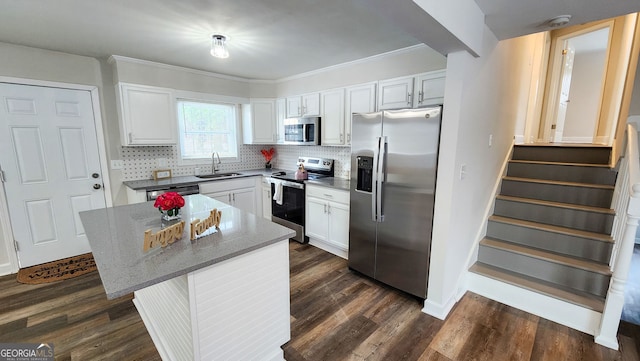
<point>259,125</point>
<point>306,105</point>
<point>430,88</point>
<point>332,115</point>
<point>395,93</point>
<point>359,99</point>
<point>412,92</point>
<point>147,115</point>
<point>281,115</point>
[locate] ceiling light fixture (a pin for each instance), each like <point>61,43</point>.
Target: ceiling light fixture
<point>218,48</point>
<point>558,21</point>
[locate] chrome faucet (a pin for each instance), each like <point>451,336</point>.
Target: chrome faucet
<point>214,165</point>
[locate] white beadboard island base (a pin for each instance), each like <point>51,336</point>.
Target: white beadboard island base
<point>224,296</point>
<point>234,310</point>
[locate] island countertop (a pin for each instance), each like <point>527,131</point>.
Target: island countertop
<point>116,237</point>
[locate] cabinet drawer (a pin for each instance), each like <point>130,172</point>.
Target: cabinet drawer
<point>225,185</point>
<point>329,194</point>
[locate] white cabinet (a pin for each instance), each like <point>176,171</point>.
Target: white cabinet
<point>395,93</point>
<point>147,115</point>
<point>281,115</point>
<point>412,92</point>
<point>240,193</point>
<point>430,87</point>
<point>359,99</point>
<point>259,125</point>
<point>306,105</point>
<point>332,114</point>
<point>266,199</point>
<point>327,219</point>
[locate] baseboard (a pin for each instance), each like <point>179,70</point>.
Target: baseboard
<point>7,269</point>
<point>338,251</point>
<point>553,309</point>
<point>437,310</point>
<point>587,140</point>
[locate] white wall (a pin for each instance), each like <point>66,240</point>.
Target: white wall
<point>586,85</point>
<point>483,96</point>
<point>410,61</point>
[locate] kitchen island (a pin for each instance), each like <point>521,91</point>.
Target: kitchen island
<point>224,296</point>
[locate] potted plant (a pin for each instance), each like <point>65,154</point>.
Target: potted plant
<point>268,155</point>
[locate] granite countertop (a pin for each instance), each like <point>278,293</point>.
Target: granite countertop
<point>337,183</point>
<point>116,237</point>
<point>151,185</point>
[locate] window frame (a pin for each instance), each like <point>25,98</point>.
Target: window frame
<point>212,99</point>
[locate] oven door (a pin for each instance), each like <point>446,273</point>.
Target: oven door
<point>291,212</point>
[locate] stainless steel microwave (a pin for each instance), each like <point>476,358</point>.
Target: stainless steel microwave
<point>302,131</point>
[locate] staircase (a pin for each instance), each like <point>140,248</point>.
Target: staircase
<point>548,243</point>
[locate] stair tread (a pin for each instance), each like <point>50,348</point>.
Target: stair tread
<point>583,264</point>
<point>592,165</point>
<point>556,182</point>
<point>579,298</point>
<point>557,204</point>
<point>552,228</point>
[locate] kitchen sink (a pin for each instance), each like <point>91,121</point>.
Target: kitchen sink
<point>218,175</point>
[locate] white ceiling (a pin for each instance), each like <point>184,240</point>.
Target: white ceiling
<point>270,39</point>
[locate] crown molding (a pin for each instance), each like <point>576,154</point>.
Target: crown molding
<point>118,58</point>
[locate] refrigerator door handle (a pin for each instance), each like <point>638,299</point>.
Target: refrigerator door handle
<point>374,181</point>
<point>380,178</point>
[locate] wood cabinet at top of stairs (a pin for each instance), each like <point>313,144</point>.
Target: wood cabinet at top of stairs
<point>147,115</point>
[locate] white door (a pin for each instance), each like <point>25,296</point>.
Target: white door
<point>49,155</point>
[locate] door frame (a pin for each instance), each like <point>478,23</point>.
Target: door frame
<point>6,234</point>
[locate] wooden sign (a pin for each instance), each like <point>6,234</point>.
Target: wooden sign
<point>198,227</point>
<point>163,237</point>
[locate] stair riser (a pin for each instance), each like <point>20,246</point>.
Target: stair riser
<point>565,173</point>
<point>565,244</point>
<point>566,276</point>
<point>588,155</point>
<point>571,218</point>
<point>586,196</point>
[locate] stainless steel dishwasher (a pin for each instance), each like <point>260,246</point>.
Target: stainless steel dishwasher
<point>181,190</point>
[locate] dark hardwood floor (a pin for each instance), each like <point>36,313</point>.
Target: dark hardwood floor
<point>335,315</point>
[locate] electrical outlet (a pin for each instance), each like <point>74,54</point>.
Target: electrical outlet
<point>490,140</point>
<point>117,164</point>
<point>463,171</point>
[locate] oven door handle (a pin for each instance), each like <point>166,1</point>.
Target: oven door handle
<point>286,183</point>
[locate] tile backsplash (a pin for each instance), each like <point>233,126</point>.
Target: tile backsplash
<point>140,162</point>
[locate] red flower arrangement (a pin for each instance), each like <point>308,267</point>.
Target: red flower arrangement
<point>171,202</point>
<point>268,155</point>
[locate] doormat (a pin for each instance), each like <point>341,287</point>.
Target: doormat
<point>58,270</point>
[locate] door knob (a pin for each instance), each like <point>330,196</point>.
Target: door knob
<point>97,186</point>
<point>95,175</point>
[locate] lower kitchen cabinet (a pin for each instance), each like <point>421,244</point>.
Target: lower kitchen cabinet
<point>240,193</point>
<point>327,219</point>
<point>266,200</point>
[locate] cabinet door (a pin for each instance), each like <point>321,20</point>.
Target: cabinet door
<point>317,220</point>
<point>147,115</point>
<point>311,105</point>
<point>332,113</point>
<point>360,99</point>
<point>430,88</point>
<point>281,115</point>
<point>244,199</point>
<point>339,225</point>
<point>224,197</point>
<point>395,93</point>
<point>259,122</point>
<point>294,107</point>
<point>266,202</point>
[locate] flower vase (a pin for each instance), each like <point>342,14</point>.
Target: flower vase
<point>267,165</point>
<point>171,214</point>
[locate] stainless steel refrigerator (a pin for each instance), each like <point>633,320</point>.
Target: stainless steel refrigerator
<point>393,176</point>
